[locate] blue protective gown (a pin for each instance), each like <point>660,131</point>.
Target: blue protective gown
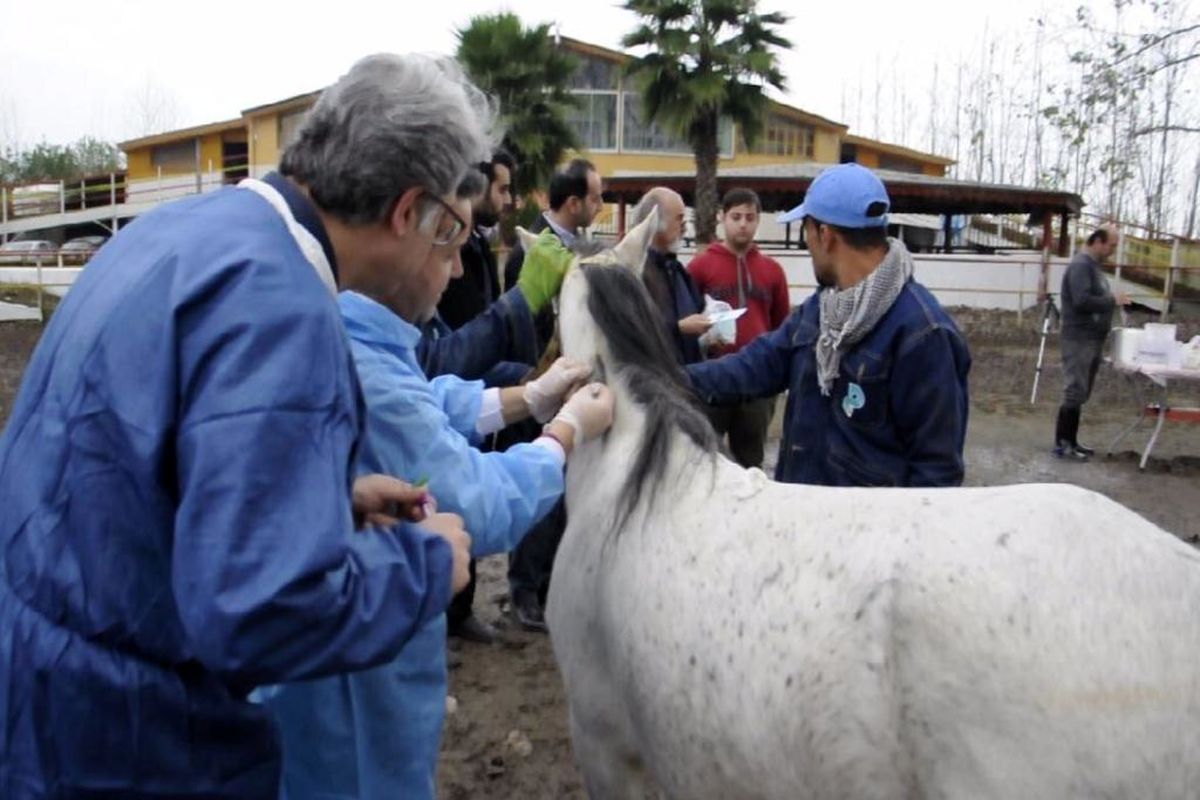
<point>175,522</point>
<point>376,734</point>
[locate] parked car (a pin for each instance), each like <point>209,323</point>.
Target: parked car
<point>81,248</point>
<point>28,251</point>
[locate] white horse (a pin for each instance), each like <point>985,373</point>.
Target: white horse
<point>724,636</point>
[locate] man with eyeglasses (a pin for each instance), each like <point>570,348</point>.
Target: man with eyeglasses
<point>479,333</point>
<point>180,513</point>
<point>376,733</point>
<point>498,343</point>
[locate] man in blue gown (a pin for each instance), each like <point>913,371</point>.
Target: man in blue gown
<point>178,501</point>
<point>375,734</point>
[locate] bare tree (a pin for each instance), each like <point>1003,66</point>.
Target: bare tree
<point>152,109</point>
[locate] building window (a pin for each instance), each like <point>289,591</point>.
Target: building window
<point>646,136</point>
<point>638,136</point>
<point>594,119</point>
<point>175,155</point>
<point>785,137</point>
<point>289,126</point>
<point>594,73</point>
<point>898,164</point>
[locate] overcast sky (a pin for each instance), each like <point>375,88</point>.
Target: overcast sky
<point>70,68</point>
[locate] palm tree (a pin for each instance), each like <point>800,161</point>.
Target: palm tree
<point>530,77</point>
<point>707,59</point>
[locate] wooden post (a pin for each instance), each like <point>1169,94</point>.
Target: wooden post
<point>1047,230</point>
<point>1021,295</point>
<point>41,303</point>
<point>1169,288</point>
<point>1064,243</point>
<point>621,217</point>
<point>947,233</point>
<point>1120,253</point>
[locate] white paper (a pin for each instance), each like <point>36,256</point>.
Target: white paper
<point>721,316</point>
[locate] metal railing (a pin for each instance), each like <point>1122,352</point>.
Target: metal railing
<point>116,188</point>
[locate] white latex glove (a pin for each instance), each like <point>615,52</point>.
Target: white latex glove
<point>450,527</point>
<point>589,412</point>
<point>545,395</point>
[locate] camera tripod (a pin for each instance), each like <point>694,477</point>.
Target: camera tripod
<point>1050,319</point>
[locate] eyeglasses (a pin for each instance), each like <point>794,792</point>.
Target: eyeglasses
<point>458,225</point>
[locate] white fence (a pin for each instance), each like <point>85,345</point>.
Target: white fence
<point>1008,282</point>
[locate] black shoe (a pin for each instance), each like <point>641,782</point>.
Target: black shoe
<point>1070,452</point>
<point>473,629</point>
<point>528,612</point>
<point>1087,451</point>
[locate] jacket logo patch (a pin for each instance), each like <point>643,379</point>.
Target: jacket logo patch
<point>855,399</point>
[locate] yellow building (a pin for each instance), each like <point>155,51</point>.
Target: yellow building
<point>616,139</point>
<point>608,121</point>
<point>188,160</point>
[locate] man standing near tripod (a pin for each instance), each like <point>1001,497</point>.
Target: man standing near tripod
<point>1087,306</point>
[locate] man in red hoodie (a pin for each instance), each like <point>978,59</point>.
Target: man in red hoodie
<point>735,271</point>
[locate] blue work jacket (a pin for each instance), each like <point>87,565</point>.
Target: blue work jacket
<point>175,515</point>
<point>897,413</point>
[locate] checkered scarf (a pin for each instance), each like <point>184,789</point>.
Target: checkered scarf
<point>847,315</point>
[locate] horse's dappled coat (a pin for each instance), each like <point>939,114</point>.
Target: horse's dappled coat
<point>739,638</point>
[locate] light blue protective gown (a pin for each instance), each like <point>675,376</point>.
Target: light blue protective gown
<point>376,734</point>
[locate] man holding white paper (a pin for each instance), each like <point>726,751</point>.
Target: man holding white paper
<point>737,273</point>
<point>670,286</point>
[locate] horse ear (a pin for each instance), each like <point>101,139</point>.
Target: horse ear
<point>631,251</point>
<point>526,239</point>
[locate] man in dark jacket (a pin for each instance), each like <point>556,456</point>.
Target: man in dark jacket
<point>670,286</point>
<point>466,297</point>
<point>575,200</point>
<point>877,371</point>
<point>1087,306</point>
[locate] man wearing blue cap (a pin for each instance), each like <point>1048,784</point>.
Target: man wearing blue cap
<point>877,371</point>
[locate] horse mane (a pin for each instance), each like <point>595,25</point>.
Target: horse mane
<point>643,356</point>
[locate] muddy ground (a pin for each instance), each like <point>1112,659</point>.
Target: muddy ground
<point>507,735</point>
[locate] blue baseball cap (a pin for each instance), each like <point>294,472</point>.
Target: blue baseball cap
<point>843,196</point>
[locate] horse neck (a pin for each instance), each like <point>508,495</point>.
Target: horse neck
<point>598,470</point>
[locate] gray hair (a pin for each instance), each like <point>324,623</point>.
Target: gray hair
<point>651,200</point>
<point>393,122</point>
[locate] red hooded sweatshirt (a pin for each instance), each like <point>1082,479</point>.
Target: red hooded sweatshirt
<point>762,289</point>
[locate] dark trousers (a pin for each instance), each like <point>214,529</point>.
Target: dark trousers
<point>746,424</point>
<point>531,562</point>
<point>460,607</point>
<point>1081,359</point>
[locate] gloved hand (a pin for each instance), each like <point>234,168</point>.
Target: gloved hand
<point>589,412</point>
<point>545,395</point>
<point>450,527</point>
<point>543,270</point>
